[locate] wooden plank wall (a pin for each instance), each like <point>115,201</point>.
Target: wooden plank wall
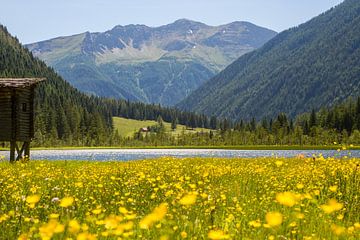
<point>5,114</point>
<point>23,118</point>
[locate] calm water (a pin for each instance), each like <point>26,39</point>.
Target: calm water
<point>136,154</point>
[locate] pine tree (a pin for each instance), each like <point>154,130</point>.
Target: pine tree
<point>347,122</point>
<point>358,113</point>
<point>174,124</point>
<point>160,121</point>
<point>313,119</point>
<point>213,123</point>
<point>265,124</point>
<point>253,124</point>
<point>306,128</point>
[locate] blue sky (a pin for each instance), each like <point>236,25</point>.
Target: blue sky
<point>35,20</point>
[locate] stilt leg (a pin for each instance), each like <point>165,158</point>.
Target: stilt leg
<point>27,150</point>
<point>12,151</point>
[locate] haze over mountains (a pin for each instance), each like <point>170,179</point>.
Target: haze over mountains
<point>153,65</point>
<point>314,65</point>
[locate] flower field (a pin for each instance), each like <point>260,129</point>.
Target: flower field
<point>193,198</point>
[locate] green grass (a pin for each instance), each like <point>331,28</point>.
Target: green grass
<point>127,127</point>
<point>191,198</point>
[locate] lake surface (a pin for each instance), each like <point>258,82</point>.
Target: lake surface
<point>137,154</point>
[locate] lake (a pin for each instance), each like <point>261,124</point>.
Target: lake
<point>137,154</point>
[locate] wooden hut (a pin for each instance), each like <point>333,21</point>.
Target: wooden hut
<point>17,114</point>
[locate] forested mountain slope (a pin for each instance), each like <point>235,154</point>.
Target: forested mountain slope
<point>316,64</point>
<point>63,114</point>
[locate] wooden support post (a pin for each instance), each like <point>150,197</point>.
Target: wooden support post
<point>20,152</point>
<point>12,151</point>
<point>27,150</point>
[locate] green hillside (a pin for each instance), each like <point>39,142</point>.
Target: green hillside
<point>316,64</point>
<point>63,114</point>
<point>149,64</point>
<point>127,127</point>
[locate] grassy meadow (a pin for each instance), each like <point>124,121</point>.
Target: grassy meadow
<point>192,198</point>
<point>127,127</point>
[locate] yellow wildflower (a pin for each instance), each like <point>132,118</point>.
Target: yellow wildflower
<point>23,237</point>
<point>279,163</point>
<point>337,230</point>
<point>286,198</point>
<point>123,210</point>
<point>183,234</point>
<point>49,229</point>
<point>85,236</point>
<point>299,215</point>
<point>332,206</point>
<point>357,225</point>
<point>112,222</point>
<point>157,215</point>
<point>66,202</point>
<point>54,215</point>
<point>74,226</point>
<point>217,234</point>
<point>189,199</point>
<point>274,219</point>
<point>333,188</point>
<point>32,200</point>
<point>317,192</point>
<point>96,211</point>
<point>351,229</point>
<point>255,224</point>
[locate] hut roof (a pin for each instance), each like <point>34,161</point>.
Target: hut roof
<point>19,82</point>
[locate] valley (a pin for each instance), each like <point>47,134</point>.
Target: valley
<point>153,65</point>
<point>184,130</point>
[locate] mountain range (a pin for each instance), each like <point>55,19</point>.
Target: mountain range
<point>153,65</point>
<point>316,64</point>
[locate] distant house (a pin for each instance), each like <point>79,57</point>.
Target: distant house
<point>144,130</point>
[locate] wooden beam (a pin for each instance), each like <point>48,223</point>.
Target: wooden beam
<point>17,148</point>
<point>20,153</point>
<point>13,125</point>
<point>32,112</point>
<point>27,150</point>
<point>12,151</point>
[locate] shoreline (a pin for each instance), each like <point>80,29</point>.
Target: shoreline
<point>245,147</point>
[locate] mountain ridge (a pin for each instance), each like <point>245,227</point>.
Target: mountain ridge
<point>133,61</point>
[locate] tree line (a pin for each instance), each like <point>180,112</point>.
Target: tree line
<point>340,125</point>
